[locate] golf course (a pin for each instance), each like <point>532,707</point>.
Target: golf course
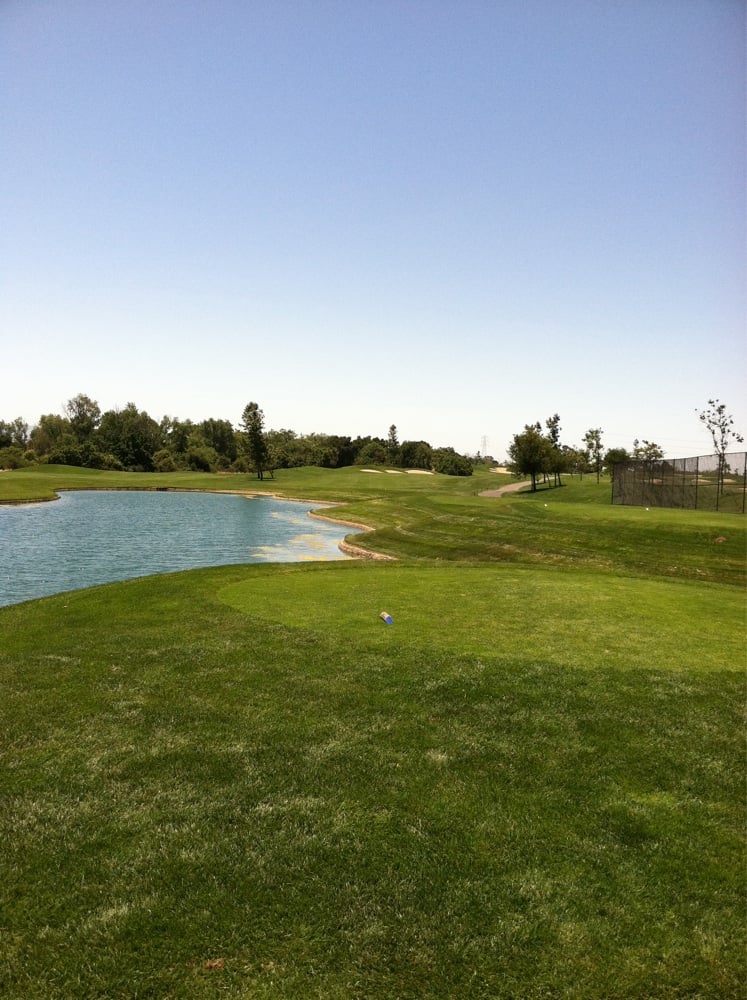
<point>240,782</point>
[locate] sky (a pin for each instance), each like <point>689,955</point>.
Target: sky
<point>453,216</point>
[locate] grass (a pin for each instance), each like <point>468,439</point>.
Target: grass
<point>239,782</point>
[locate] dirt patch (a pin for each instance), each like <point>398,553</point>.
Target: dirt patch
<point>358,553</point>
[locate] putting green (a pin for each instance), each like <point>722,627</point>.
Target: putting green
<point>574,619</point>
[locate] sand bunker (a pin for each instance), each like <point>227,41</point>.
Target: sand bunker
<point>510,488</point>
<point>398,472</point>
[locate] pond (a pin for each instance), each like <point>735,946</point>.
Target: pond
<point>90,537</point>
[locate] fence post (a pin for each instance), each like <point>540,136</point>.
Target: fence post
<point>697,477</point>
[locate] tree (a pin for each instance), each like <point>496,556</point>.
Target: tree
<point>252,422</point>
<point>614,455</point>
<point>416,455</point>
<point>558,463</point>
<point>576,460</point>
<point>14,433</point>
<point>131,436</point>
<point>719,424</point>
<point>284,450</point>
<point>530,453</point>
<point>14,440</point>
<point>84,416</point>
<point>553,429</point>
<point>392,446</point>
<point>647,451</point>
<point>50,429</point>
<point>593,442</point>
<point>373,452</point>
<point>175,435</point>
<point>450,463</point>
<point>220,435</point>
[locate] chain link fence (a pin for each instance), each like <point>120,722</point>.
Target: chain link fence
<point>708,482</point>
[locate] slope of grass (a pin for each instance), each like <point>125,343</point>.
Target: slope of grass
<point>240,783</point>
<point>444,518</point>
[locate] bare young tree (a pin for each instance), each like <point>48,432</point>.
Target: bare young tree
<point>720,426</point>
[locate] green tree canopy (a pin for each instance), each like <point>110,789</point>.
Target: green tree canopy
<point>220,435</point>
<point>593,442</point>
<point>252,421</point>
<point>48,432</point>
<point>416,455</point>
<point>392,446</point>
<point>647,451</point>
<point>131,436</point>
<point>14,433</point>
<point>84,416</point>
<point>614,455</point>
<point>530,453</point>
<point>450,463</point>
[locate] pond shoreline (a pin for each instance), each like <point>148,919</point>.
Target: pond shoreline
<point>97,536</point>
<point>354,551</point>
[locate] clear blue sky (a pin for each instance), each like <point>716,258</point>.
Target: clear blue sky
<point>457,217</point>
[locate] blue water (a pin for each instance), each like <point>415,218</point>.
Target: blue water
<point>91,537</point>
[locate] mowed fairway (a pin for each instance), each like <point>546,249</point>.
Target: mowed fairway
<point>240,782</point>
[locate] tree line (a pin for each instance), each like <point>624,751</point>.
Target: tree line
<point>130,439</point>
<point>537,452</point>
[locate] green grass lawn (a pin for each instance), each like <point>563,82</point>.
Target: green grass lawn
<point>239,782</point>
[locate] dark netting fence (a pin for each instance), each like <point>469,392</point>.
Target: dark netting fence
<point>708,482</point>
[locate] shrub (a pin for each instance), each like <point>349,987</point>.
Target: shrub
<point>163,461</point>
<point>450,463</point>
<point>202,459</point>
<point>12,458</point>
<point>66,452</point>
